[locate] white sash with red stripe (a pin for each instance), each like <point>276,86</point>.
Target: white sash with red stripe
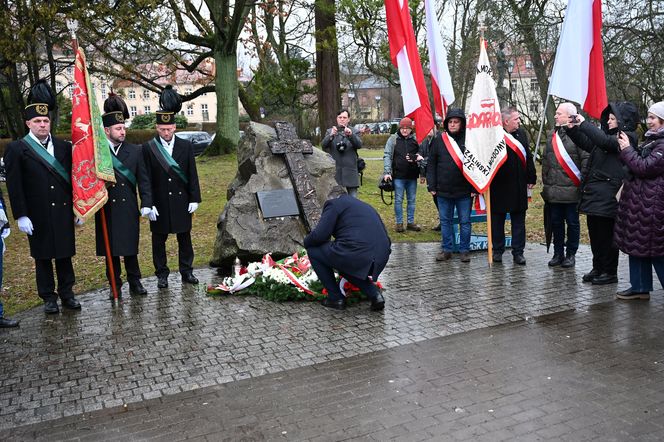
<point>517,147</point>
<point>565,160</point>
<point>454,150</point>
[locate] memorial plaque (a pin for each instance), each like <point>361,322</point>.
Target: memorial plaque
<point>277,203</point>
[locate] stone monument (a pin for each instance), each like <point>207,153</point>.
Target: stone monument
<point>276,172</point>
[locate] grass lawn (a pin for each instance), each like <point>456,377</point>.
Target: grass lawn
<point>19,288</point>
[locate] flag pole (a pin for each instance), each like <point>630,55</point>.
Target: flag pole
<point>539,134</point>
<point>72,25</point>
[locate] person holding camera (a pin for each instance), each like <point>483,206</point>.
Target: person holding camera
<point>601,183</point>
<point>561,175</point>
<point>342,143</point>
<point>400,164</point>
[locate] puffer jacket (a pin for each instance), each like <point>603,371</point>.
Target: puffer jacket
<point>443,175</point>
<point>558,186</point>
<point>639,229</point>
<point>604,172</point>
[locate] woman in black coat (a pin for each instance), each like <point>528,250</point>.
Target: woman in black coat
<point>602,179</point>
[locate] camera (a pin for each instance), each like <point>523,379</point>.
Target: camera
<point>341,129</point>
<point>573,119</point>
<point>341,146</point>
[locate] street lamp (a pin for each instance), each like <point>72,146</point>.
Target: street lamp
<point>377,98</point>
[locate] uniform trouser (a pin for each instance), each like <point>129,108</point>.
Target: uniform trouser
<point>325,272</point>
<point>605,252</point>
<point>518,222</point>
<point>131,267</point>
<point>46,283</point>
<point>185,253</point>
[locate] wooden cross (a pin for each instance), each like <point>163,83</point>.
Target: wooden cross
<point>293,150</point>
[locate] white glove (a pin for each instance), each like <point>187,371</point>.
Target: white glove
<point>79,221</point>
<point>152,216</point>
<point>3,217</point>
<point>145,211</point>
<point>5,233</point>
<point>25,225</point>
<point>192,207</point>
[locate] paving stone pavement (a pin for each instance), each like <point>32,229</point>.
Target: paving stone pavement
<point>174,347</point>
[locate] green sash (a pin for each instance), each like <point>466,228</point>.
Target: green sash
<point>167,161</point>
<point>48,158</point>
<point>122,170</point>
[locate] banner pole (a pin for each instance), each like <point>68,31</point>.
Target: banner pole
<point>489,236</point>
<point>539,134</point>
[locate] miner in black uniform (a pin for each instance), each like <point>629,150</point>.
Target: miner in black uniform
<point>39,184</point>
<point>171,168</point>
<point>121,209</point>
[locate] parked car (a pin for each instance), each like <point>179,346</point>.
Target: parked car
<point>200,140</point>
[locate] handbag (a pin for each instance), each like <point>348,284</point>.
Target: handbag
<point>386,186</point>
<point>361,165</point>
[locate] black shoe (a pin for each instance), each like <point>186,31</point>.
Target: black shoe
<point>520,259</point>
<point>189,278</point>
<point>604,279</point>
<point>568,262</point>
<point>497,257</point>
<point>51,307</point>
<point>71,303</point>
<point>436,229</point>
<point>162,282</point>
<point>8,323</point>
<point>588,277</point>
<point>465,257</point>
<point>337,305</point>
<point>378,304</point>
<point>137,288</point>
<point>629,294</point>
<point>556,260</point>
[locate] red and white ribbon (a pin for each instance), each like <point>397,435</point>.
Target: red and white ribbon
<point>295,280</point>
<point>517,147</point>
<point>480,205</point>
<point>565,160</point>
<point>241,282</point>
<point>453,149</point>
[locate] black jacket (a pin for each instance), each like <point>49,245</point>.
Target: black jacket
<point>361,246</point>
<point>121,209</point>
<point>604,171</point>
<point>43,196</point>
<point>443,175</point>
<point>170,195</point>
<point>509,188</point>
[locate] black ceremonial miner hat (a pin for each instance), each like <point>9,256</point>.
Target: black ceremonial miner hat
<point>115,110</point>
<point>170,103</point>
<point>41,100</point>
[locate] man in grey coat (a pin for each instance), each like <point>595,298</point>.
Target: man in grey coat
<point>342,143</point>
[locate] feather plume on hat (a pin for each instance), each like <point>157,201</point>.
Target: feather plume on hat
<point>170,101</point>
<point>115,103</point>
<point>41,92</point>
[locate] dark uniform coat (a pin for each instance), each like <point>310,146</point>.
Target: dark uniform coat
<point>122,214</point>
<point>170,195</point>
<point>509,188</point>
<point>361,246</point>
<point>38,192</point>
<point>346,161</point>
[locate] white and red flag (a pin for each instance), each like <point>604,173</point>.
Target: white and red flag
<point>485,137</point>
<point>441,81</point>
<point>406,58</point>
<point>578,71</point>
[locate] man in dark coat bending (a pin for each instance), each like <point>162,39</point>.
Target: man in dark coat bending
<point>359,252</point>
<point>171,169</point>
<point>121,209</point>
<point>40,192</point>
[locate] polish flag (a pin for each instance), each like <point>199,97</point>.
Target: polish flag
<point>441,81</point>
<point>578,71</point>
<point>406,58</point>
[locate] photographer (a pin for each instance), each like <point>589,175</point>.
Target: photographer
<point>342,143</point>
<point>400,163</point>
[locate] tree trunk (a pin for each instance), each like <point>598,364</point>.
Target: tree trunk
<point>11,104</point>
<point>228,115</point>
<point>327,64</point>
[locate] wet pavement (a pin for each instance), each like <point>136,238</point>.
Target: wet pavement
<point>461,352</point>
